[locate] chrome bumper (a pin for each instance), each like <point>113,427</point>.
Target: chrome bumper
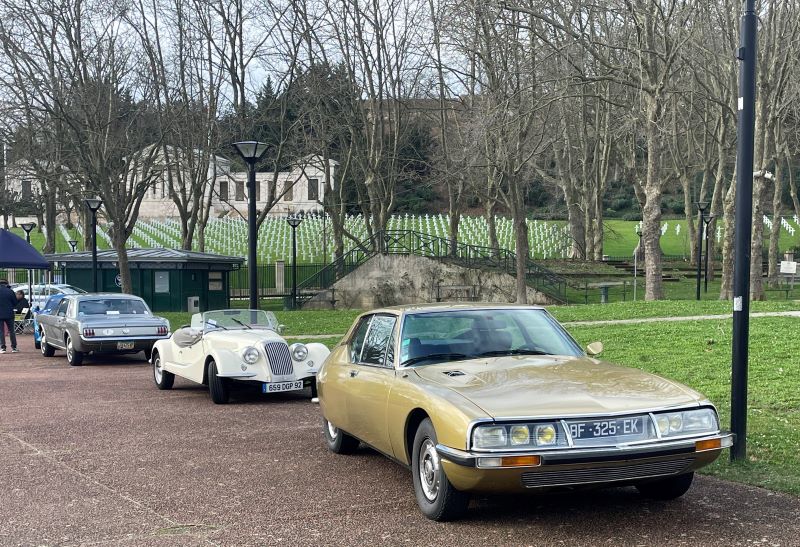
<point>566,456</point>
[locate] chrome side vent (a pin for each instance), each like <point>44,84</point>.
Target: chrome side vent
<point>280,362</point>
<point>453,373</point>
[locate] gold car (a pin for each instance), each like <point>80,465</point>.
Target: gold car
<point>494,398</point>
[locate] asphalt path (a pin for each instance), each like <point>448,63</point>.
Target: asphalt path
<point>96,455</point>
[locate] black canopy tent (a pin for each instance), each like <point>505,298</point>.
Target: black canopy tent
<point>15,253</point>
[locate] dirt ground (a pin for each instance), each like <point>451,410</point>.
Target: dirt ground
<point>96,455</point>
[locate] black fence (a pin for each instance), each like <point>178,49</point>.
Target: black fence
<point>269,279</point>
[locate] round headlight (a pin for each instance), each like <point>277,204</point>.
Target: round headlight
<point>545,435</point>
<point>675,423</point>
<point>299,351</point>
<point>250,355</point>
<point>519,434</point>
<point>663,424</point>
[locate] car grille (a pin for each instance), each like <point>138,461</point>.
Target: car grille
<point>280,362</point>
<point>604,474</point>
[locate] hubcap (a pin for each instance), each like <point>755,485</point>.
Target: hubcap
<point>43,342</point>
<point>333,431</point>
<point>157,369</point>
<point>69,349</point>
<point>429,470</point>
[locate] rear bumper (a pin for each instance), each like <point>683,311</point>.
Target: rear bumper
<point>578,467</point>
<point>140,343</point>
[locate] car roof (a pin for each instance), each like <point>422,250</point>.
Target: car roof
<point>409,309</point>
<point>90,296</point>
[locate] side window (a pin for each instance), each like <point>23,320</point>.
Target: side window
<point>357,343</point>
<point>62,308</point>
<point>377,341</point>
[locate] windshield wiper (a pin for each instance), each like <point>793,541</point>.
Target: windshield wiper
<point>245,325</point>
<point>518,351</point>
<point>215,325</point>
<point>435,356</point>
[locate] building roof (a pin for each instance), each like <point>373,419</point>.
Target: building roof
<point>177,256</point>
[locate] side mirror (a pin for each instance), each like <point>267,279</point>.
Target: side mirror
<point>281,329</point>
<point>595,348</point>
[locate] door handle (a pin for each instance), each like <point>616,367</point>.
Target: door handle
<point>353,373</point>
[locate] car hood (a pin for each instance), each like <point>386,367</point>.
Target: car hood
<point>528,386</point>
<point>244,336</point>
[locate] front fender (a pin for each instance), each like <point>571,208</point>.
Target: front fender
<point>229,364</point>
<point>317,353</point>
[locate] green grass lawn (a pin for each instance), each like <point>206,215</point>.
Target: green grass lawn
<point>699,355</point>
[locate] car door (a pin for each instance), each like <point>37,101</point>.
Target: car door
<point>338,375</point>
<point>55,334</point>
<point>369,382</point>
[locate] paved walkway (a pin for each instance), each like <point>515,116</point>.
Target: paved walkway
<point>606,322</point>
<point>672,319</point>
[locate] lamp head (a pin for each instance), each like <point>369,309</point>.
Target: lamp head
<point>28,226</point>
<point>701,205</point>
<point>73,244</point>
<point>93,204</point>
<point>250,151</point>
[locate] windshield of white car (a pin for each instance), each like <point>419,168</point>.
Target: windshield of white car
<point>433,337</point>
<point>112,306</point>
<point>239,319</point>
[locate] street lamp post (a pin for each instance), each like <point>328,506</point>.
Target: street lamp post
<point>93,204</point>
<point>746,121</point>
<point>706,223</point>
<point>636,253</point>
<point>701,209</point>
<point>251,152</point>
<point>294,221</point>
<point>28,227</point>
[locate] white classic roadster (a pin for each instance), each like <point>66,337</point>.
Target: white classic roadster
<point>225,345</point>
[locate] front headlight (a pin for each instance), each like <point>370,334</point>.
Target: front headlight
<point>299,351</point>
<point>518,436</point>
<point>688,422</point>
<point>250,355</point>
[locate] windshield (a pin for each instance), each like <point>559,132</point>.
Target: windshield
<point>69,289</point>
<point>112,306</point>
<point>463,334</point>
<point>239,319</point>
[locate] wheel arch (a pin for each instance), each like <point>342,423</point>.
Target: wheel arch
<point>414,419</point>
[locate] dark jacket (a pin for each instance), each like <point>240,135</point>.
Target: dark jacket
<point>21,304</point>
<point>8,301</point>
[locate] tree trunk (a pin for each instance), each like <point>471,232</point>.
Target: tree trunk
<point>577,223</point>
<point>651,212</point>
<point>521,249</point>
<point>775,232</point>
<point>491,225</point>
<point>756,252</point>
<point>50,224</point>
<point>119,240</point>
<point>726,286</point>
<point>455,220</point>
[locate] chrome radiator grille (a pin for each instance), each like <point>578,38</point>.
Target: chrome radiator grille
<point>280,362</point>
<point>604,474</point>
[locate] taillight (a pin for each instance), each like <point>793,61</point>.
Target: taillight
<point>88,332</point>
<point>162,330</point>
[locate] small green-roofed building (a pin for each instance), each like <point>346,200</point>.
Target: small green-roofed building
<point>167,279</point>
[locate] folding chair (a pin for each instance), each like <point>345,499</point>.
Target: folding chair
<point>23,322</point>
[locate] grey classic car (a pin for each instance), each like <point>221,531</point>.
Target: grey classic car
<point>100,323</point>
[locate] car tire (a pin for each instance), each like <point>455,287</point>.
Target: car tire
<point>74,357</point>
<point>218,387</point>
<point>666,489</point>
<point>436,497</point>
<point>148,353</point>
<point>162,378</point>
<point>47,349</point>
<point>338,441</point>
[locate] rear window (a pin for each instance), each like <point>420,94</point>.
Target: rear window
<point>112,306</point>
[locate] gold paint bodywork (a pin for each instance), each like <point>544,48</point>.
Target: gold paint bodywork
<point>382,405</point>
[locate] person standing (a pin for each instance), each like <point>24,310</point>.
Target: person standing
<point>8,301</point>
